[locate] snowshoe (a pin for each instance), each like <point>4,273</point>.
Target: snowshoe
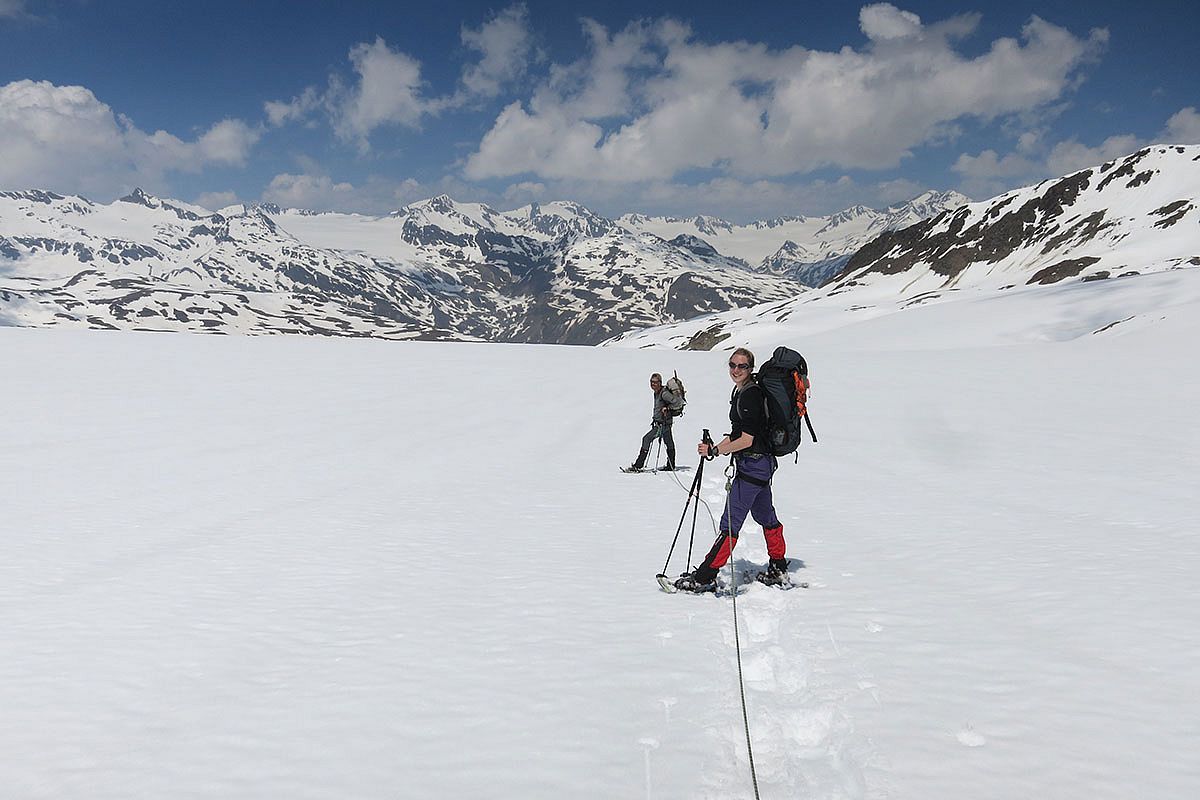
<point>688,582</point>
<point>776,574</point>
<point>772,577</point>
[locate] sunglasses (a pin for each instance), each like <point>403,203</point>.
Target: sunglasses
<point>743,365</point>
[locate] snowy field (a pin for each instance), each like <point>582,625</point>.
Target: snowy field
<point>243,568</point>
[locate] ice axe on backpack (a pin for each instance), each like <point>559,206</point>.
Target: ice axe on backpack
<point>693,494</point>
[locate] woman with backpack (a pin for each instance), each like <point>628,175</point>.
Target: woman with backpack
<point>750,492</point>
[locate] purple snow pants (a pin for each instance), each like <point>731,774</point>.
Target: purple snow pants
<point>746,497</point>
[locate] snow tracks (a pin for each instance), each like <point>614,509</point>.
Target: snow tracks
<point>797,694</point>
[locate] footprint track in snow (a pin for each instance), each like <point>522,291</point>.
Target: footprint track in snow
<point>801,737</point>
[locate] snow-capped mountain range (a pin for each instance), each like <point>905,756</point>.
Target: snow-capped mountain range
<point>433,270</point>
<point>1129,217</point>
<point>809,249</point>
<point>437,269</point>
<point>558,273</point>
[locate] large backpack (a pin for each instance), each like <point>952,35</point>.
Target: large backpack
<point>675,396</point>
<point>784,381</point>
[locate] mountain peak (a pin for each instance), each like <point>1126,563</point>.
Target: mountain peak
<point>932,201</point>
<point>439,204</point>
<point>695,244</point>
<point>141,198</point>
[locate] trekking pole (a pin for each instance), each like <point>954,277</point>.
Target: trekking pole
<point>695,510</point>
<point>693,493</point>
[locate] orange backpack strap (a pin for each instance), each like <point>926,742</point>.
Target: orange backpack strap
<point>802,385</point>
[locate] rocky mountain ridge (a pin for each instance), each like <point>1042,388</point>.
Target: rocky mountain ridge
<point>1131,215</point>
<point>1105,226</point>
<point>433,270</point>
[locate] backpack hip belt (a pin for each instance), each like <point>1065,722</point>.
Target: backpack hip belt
<point>747,455</point>
<point>753,480</point>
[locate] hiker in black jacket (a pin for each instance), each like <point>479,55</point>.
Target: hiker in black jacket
<point>750,493</point>
<point>660,427</point>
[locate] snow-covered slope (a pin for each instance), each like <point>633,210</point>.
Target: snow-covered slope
<point>233,568</point>
<point>1132,215</point>
<point>1095,236</point>
<point>799,246</point>
<point>433,270</point>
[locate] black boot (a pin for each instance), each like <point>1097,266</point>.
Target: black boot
<point>700,580</point>
<point>670,467</point>
<point>640,461</point>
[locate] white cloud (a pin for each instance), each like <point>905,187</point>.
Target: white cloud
<point>558,131</point>
<point>1028,141</point>
<point>989,164</point>
<point>308,191</point>
<point>387,88</point>
<point>525,192</point>
<point>319,192</point>
<point>298,108</point>
<point>504,44</point>
<point>884,21</point>
<point>227,142</point>
<point>988,173</point>
<point>1071,155</point>
<point>650,102</point>
<point>747,200</point>
<point>12,9</point>
<point>1183,127</point>
<point>63,137</point>
<point>216,200</point>
<point>388,92</point>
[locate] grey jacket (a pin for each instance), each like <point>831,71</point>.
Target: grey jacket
<point>662,408</point>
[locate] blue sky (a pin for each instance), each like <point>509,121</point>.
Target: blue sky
<point>746,111</point>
